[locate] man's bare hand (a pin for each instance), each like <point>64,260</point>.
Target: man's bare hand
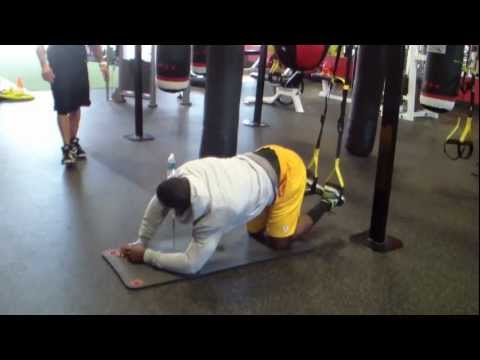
<point>47,73</point>
<point>133,253</point>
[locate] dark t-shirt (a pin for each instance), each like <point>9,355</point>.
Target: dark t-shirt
<point>66,52</point>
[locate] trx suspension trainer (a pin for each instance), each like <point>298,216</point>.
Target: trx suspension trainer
<point>464,143</point>
<point>312,186</point>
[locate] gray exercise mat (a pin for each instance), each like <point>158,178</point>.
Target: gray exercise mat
<point>233,252</point>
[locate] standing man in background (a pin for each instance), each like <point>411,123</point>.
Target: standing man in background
<point>65,68</point>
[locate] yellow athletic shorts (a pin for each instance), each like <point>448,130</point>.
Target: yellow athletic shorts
<point>281,218</point>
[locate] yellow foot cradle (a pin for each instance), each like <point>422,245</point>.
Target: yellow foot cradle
<point>15,93</point>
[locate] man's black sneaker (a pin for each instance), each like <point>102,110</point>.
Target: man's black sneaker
<point>68,157</point>
<point>79,152</point>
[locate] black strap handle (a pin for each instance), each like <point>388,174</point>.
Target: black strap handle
<point>464,150</point>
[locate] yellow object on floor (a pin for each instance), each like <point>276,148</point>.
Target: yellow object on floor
<point>14,91</point>
<point>15,94</point>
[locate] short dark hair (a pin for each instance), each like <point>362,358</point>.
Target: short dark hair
<point>174,193</point>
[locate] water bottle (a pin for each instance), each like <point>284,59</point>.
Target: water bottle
<point>171,165</point>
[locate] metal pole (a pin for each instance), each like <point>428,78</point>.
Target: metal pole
<point>355,57</point>
<point>153,78</point>
<point>138,91</point>
<point>139,135</point>
<point>117,95</point>
<point>412,83</point>
<point>107,81</point>
<point>257,114</point>
<point>186,97</point>
<point>376,237</point>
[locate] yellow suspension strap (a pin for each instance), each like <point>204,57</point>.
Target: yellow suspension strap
<point>273,74</point>
<point>275,66</point>
<point>340,126</point>
<point>463,144</point>
<point>312,184</point>
<point>312,169</point>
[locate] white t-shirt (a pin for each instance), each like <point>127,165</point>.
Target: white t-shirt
<point>225,193</point>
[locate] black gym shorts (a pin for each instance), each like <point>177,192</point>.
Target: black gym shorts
<point>70,87</point>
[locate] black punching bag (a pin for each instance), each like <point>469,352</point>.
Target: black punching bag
<point>200,59</point>
<point>173,67</point>
<point>222,100</point>
<point>366,98</point>
<point>441,82</point>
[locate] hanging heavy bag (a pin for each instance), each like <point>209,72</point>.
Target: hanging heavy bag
<point>441,82</point>
<point>173,67</point>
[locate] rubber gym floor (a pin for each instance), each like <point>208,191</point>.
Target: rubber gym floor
<point>56,222</point>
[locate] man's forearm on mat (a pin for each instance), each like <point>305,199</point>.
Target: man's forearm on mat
<point>189,262</point>
<point>154,215</point>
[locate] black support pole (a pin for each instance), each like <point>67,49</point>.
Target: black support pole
<point>139,135</point>
<point>376,237</point>
<point>222,100</point>
<point>257,113</point>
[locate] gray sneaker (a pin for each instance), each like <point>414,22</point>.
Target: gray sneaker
<point>333,195</point>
